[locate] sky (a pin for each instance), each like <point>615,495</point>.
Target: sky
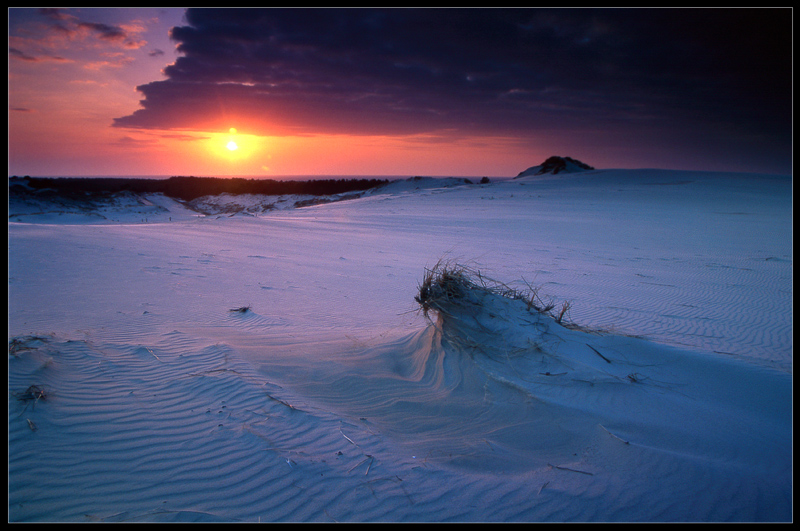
<point>465,92</point>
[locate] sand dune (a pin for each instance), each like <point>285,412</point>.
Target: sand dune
<point>136,394</point>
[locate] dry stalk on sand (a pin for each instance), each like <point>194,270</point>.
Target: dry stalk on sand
<point>563,311</point>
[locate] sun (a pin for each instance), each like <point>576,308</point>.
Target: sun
<point>235,148</point>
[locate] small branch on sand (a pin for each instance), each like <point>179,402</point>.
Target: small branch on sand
<point>598,353</point>
<point>616,437</point>
<point>348,438</point>
<point>241,309</point>
<point>153,353</point>
<point>367,458</point>
<point>546,483</point>
<point>284,402</point>
<point>570,469</point>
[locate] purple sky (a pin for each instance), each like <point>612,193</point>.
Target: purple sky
<point>488,91</point>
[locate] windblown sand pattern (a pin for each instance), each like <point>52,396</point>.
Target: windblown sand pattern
<point>277,368</point>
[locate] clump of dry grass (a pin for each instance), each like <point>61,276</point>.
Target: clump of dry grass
<point>33,393</point>
<point>447,285</point>
<point>21,344</point>
<point>241,309</point>
<point>442,285</point>
<point>31,397</point>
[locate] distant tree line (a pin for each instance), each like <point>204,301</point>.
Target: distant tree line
<point>189,188</point>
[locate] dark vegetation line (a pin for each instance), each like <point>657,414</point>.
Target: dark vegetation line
<point>189,188</point>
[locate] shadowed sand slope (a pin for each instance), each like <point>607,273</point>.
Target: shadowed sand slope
<point>494,385</point>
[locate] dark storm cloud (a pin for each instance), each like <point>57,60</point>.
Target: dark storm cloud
<point>501,71</point>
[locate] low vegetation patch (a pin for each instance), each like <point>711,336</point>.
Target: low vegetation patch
<point>447,285</point>
<point>189,188</point>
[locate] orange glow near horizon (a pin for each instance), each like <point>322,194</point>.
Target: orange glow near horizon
<point>77,79</point>
<point>236,148</point>
<point>136,152</point>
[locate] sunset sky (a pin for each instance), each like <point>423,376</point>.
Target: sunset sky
<point>277,92</point>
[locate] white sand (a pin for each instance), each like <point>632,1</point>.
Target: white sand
<point>334,399</point>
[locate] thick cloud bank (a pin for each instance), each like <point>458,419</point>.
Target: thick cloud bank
<point>496,71</point>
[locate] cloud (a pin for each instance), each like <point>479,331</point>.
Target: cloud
<point>109,60</point>
<point>104,31</point>
<point>493,71</point>
<point>55,13</point>
<point>22,56</point>
<point>19,54</point>
<point>130,142</point>
<point>55,29</point>
<point>185,137</point>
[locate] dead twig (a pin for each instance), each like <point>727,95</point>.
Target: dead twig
<point>614,436</point>
<point>546,483</point>
<point>153,353</point>
<point>348,439</point>
<point>34,392</point>
<point>570,469</point>
<point>564,308</point>
<point>598,353</point>
<point>367,458</point>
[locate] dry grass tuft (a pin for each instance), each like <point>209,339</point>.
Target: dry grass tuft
<point>31,397</point>
<point>447,285</point>
<point>442,285</point>
<point>34,392</point>
<point>21,344</point>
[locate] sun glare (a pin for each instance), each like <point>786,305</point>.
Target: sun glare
<point>236,151</point>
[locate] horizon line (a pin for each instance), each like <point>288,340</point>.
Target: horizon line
<point>365,176</point>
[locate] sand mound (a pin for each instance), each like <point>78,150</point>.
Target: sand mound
<point>611,426</point>
<point>581,387</point>
<point>555,165</point>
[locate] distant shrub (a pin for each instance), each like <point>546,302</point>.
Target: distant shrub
<point>189,188</point>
